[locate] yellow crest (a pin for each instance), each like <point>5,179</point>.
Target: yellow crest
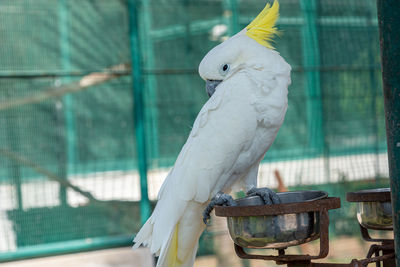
<point>262,28</point>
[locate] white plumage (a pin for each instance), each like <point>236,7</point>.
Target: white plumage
<point>230,136</point>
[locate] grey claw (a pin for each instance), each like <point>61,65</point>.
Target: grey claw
<point>220,199</point>
<point>268,196</point>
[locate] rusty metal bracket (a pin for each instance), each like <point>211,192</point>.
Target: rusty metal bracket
<point>365,196</point>
<point>282,258</point>
<point>367,237</point>
<point>322,206</point>
<point>387,258</point>
<point>277,209</point>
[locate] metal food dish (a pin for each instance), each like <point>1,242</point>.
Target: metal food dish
<point>276,231</point>
<point>375,215</point>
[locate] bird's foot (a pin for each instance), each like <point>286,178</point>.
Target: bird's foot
<point>267,195</point>
<point>220,199</point>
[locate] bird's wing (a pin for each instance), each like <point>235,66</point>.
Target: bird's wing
<point>226,138</point>
<point>223,130</point>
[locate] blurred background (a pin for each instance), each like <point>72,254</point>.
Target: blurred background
<point>84,146</point>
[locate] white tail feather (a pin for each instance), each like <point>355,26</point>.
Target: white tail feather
<point>144,235</point>
<point>176,245</point>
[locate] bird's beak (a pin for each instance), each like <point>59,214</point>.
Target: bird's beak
<point>211,85</point>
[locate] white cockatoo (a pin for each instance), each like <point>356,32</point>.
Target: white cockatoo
<point>247,83</point>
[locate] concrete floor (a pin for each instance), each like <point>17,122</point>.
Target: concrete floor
<point>120,257</point>
<point>341,250</point>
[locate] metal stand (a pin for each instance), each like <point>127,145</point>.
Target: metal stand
<point>322,206</point>
<point>377,253</point>
<point>386,248</point>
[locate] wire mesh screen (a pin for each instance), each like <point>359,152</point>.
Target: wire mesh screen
<point>68,160</point>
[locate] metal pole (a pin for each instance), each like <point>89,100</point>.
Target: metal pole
<point>312,62</point>
<point>66,153</point>
<point>138,108</point>
<point>150,84</point>
<point>389,31</point>
<point>68,104</point>
<point>374,86</point>
<point>13,138</point>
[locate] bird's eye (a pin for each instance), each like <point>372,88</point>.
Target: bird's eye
<point>225,68</point>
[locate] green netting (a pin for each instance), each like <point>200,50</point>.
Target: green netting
<point>66,106</point>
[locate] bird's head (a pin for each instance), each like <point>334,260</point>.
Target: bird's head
<point>249,46</point>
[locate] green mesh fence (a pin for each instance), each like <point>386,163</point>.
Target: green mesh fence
<point>68,155</point>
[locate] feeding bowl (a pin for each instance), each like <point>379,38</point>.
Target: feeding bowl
<point>376,215</point>
<point>276,231</point>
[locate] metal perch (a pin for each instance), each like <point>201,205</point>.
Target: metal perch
<point>86,82</point>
